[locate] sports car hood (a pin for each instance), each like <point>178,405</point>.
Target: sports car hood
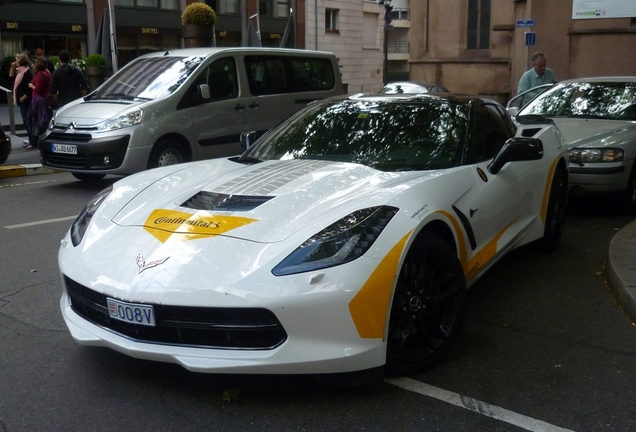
<point>93,112</point>
<point>266,202</point>
<point>595,132</point>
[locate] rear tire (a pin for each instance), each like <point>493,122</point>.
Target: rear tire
<point>555,214</point>
<point>167,152</point>
<point>428,307</point>
<point>89,178</point>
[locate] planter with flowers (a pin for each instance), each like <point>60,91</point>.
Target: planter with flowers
<point>198,21</point>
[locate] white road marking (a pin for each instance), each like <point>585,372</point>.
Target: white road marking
<point>525,422</point>
<point>27,224</point>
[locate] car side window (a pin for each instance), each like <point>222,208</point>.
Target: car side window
<point>490,132</point>
<point>222,79</point>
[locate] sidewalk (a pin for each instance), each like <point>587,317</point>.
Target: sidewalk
<point>20,162</point>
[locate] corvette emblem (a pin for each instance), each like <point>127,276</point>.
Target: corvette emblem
<point>143,265</point>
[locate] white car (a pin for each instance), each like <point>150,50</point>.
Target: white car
<point>597,118</point>
<point>519,101</point>
<point>343,240</point>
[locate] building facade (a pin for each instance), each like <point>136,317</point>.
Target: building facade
<point>481,46</point>
<point>141,26</point>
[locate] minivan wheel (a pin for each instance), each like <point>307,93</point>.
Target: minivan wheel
<point>166,152</point>
<point>88,177</point>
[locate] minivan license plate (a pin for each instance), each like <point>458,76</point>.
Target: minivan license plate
<point>64,148</point>
<point>131,312</point>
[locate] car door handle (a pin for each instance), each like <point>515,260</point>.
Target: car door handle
<point>239,107</point>
<point>254,105</point>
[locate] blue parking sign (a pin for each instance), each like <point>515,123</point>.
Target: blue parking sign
<point>531,38</point>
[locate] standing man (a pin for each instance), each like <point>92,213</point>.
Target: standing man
<point>539,74</point>
<point>68,81</point>
<point>39,52</point>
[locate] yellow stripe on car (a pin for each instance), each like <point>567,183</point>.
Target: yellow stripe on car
<point>546,191</point>
<point>370,306</point>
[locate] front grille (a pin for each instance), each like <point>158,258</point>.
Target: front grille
<point>224,328</point>
<point>69,137</point>
<point>64,160</point>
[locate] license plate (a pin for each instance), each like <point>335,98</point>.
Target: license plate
<point>131,312</point>
<point>64,148</point>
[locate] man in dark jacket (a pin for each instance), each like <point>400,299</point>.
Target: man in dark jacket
<point>68,82</point>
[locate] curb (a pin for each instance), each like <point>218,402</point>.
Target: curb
<point>25,170</point>
<point>621,269</point>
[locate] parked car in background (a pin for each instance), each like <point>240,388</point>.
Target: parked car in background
<point>516,103</point>
<point>597,117</point>
<point>5,146</point>
<point>407,87</point>
<point>177,106</point>
<point>343,240</point>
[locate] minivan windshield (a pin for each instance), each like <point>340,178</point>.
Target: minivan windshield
<point>149,78</point>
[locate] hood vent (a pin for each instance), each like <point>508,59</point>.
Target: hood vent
<point>223,202</point>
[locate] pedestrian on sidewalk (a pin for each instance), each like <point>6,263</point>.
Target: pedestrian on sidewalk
<point>39,52</point>
<point>21,72</point>
<point>39,113</point>
<point>68,82</point>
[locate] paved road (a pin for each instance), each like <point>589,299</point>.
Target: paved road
<point>544,347</point>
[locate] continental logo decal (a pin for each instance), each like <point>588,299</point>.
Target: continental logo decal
<point>165,224</point>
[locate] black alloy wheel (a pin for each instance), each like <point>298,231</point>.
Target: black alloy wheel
<point>428,307</point>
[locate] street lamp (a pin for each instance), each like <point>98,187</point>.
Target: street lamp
<point>387,26</point>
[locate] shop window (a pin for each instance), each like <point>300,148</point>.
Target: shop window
<point>282,8</point>
<point>478,29</point>
<point>161,4</point>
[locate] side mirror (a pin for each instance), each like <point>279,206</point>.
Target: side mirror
<point>247,139</point>
<point>204,91</point>
<point>515,150</point>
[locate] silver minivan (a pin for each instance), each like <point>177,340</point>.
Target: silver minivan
<point>184,105</point>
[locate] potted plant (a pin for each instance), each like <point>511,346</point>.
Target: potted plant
<point>197,29</point>
<point>95,70</point>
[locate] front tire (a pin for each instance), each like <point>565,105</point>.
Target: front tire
<point>428,307</point>
<point>167,152</point>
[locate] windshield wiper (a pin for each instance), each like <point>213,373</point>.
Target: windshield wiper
<point>587,116</point>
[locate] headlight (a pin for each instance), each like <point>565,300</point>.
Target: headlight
<point>78,229</point>
<point>123,121</point>
<point>339,243</point>
<point>583,155</point>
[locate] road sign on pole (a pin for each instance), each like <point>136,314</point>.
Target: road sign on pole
<point>531,39</point>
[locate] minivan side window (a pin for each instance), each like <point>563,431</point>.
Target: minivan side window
<point>222,78</point>
<point>286,74</point>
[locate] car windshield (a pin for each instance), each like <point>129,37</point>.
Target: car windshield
<point>385,135</point>
<point>604,100</point>
<point>149,78</point>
